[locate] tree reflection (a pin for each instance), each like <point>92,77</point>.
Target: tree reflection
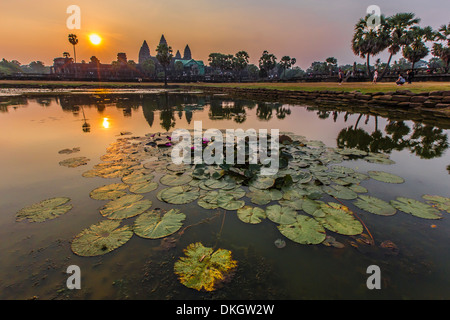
<point>264,111</point>
<point>425,141</point>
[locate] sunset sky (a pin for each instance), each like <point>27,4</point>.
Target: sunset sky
<point>309,30</point>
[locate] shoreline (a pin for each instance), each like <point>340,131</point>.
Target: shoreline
<point>426,99</point>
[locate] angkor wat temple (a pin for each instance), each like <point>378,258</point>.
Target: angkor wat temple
<point>147,68</point>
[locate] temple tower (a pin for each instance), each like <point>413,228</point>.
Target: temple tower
<point>144,53</point>
<point>187,53</point>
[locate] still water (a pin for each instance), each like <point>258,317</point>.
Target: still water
<point>35,256</point>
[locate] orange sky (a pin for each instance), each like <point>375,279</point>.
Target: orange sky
<point>305,29</point>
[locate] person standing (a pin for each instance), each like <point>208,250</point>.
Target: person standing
<point>340,76</point>
<point>375,76</point>
<point>410,76</point>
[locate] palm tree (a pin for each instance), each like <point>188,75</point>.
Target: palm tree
<point>443,50</point>
<point>164,57</point>
<point>267,62</point>
<point>369,41</point>
<point>286,62</point>
<point>332,63</point>
<point>73,40</point>
<point>398,25</point>
<point>240,62</point>
<point>416,49</point>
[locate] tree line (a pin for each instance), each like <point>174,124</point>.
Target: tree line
<point>400,32</point>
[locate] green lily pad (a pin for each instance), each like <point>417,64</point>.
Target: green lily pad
<point>375,205</point>
<point>304,230</point>
<point>358,189</point>
<point>379,159</point>
<point>252,215</point>
<point>74,162</point>
<point>180,194</point>
<point>416,208</point>
<point>174,180</point>
<point>209,201</point>
<point>340,192</point>
<point>296,204</point>
<point>385,177</point>
<point>153,225</point>
<point>228,202</point>
<point>281,215</point>
<point>313,207</point>
<point>44,210</point>
<point>109,192</point>
<point>202,268</point>
<point>259,197</point>
<point>338,219</point>
<point>442,203</point>
<point>215,184</point>
<point>236,193</point>
<point>101,238</point>
<point>179,168</point>
<point>144,187</point>
<point>125,207</point>
<point>111,171</point>
<point>262,182</point>
<point>137,178</point>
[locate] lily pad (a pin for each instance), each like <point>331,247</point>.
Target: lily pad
<point>442,203</point>
<point>338,219</point>
<point>375,205</point>
<point>109,192</point>
<point>385,177</point>
<point>44,210</point>
<point>144,187</point>
<point>180,194</point>
<point>215,184</point>
<point>262,182</point>
<point>74,162</point>
<point>153,224</point>
<point>137,178</point>
<point>340,192</point>
<point>174,180</point>
<point>209,201</point>
<point>281,215</point>
<point>252,215</point>
<point>280,243</point>
<point>304,230</point>
<point>125,207</point>
<point>202,268</point>
<point>228,202</point>
<point>101,238</point>
<point>416,208</point>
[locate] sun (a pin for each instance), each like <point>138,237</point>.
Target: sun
<point>95,39</point>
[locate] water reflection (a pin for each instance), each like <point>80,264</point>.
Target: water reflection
<point>424,140</point>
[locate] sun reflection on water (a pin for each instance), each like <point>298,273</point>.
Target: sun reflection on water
<point>106,123</point>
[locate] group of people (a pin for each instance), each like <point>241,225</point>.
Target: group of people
<point>400,81</point>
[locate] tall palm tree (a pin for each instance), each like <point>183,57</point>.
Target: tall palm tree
<point>398,25</point>
<point>331,63</point>
<point>286,62</point>
<point>369,41</point>
<point>164,57</point>
<point>417,49</point>
<point>440,50</point>
<point>73,40</point>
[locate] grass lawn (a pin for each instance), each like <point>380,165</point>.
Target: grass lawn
<point>307,86</point>
<point>346,86</point>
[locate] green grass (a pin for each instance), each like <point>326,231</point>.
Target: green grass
<point>364,87</point>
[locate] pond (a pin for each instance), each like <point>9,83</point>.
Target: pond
<point>41,130</point>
